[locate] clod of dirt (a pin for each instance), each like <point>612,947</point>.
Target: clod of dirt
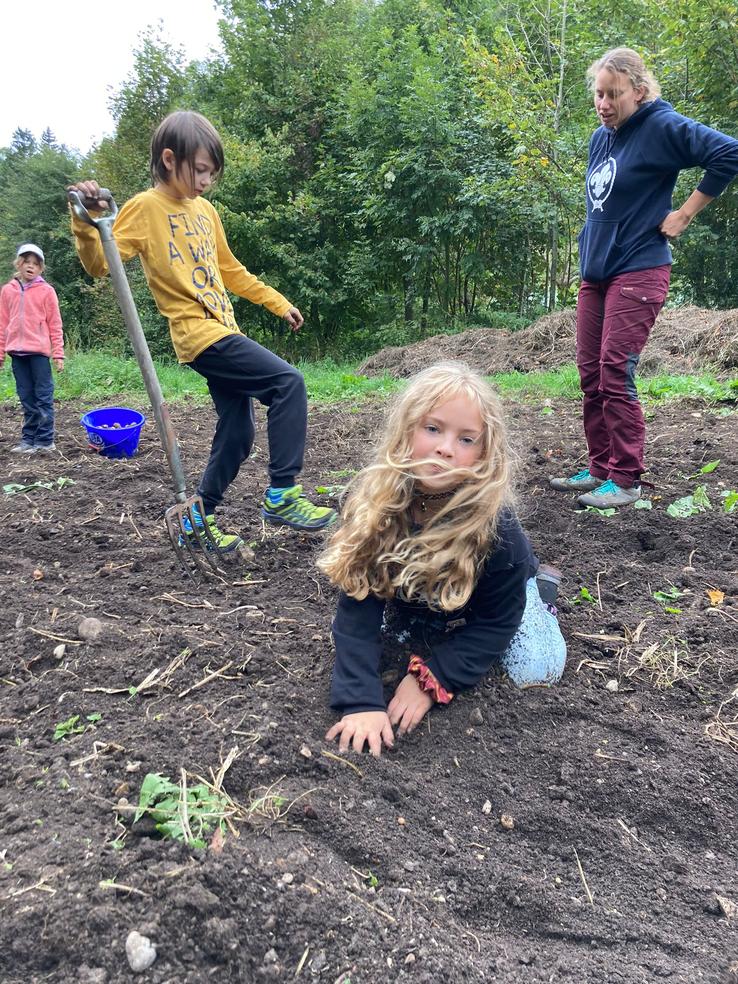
<point>476,717</point>
<point>90,629</point>
<point>140,951</point>
<point>246,554</point>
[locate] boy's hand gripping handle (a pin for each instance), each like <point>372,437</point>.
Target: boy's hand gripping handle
<point>80,205</point>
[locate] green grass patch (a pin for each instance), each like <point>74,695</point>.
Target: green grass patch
<point>556,384</point>
<point>100,378</point>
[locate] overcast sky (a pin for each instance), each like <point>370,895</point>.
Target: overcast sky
<point>54,73</point>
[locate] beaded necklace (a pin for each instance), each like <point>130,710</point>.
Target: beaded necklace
<point>425,497</point>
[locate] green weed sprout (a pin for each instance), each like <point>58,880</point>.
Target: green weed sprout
<point>690,505</point>
<point>74,726</point>
<point>584,595</point>
<point>180,812</point>
<point>665,597</point>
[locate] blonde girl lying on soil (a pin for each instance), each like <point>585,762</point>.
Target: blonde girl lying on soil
<point>430,550</point>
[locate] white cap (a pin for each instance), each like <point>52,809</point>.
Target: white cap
<point>30,248</point>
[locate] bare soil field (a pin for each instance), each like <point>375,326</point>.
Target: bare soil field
<point>582,834</point>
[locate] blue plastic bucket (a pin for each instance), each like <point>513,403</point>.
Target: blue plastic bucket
<point>114,432</point>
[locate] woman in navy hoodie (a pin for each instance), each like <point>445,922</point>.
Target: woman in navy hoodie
<point>634,161</point>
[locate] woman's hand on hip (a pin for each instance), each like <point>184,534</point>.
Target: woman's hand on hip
<point>674,224</point>
<point>409,705</point>
<point>372,727</point>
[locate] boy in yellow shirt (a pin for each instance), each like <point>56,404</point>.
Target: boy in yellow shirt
<point>189,269</point>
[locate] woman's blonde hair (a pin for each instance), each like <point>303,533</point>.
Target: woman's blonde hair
<point>630,63</point>
<point>376,551</point>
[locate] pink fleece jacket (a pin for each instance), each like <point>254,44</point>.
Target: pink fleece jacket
<point>30,320</point>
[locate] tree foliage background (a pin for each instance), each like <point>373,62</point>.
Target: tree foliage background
<point>395,167</point>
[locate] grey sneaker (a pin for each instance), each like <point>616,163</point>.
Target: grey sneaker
<point>609,494</point>
<point>583,481</point>
<point>44,447</point>
<point>23,448</point>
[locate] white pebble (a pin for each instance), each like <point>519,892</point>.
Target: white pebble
<point>59,651</point>
<point>140,951</point>
<point>612,685</point>
<point>487,808</point>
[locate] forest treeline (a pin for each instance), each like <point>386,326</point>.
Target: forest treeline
<point>395,167</point>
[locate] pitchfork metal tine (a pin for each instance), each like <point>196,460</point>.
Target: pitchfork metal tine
<point>198,542</point>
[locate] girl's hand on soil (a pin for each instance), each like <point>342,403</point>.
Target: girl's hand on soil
<point>372,727</point>
<point>409,705</point>
<point>89,190</point>
<point>59,363</point>
<point>294,319</point>
<point>674,224</point>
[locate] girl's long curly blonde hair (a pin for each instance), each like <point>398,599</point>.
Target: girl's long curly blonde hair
<point>376,550</point>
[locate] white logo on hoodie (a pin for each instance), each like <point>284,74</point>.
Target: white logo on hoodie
<point>600,182</point>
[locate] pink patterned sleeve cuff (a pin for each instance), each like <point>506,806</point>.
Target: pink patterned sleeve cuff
<point>428,682</point>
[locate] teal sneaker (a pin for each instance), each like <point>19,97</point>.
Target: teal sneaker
<point>297,511</point>
<point>608,494</point>
<point>583,481</point>
<point>226,542</point>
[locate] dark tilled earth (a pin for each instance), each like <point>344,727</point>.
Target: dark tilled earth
<point>616,859</point>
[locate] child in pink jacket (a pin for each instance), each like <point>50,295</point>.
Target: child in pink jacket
<point>31,334</point>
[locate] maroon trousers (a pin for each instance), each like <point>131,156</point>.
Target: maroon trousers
<point>614,320</point>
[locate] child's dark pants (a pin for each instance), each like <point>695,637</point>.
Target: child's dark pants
<point>35,387</point>
<point>614,320</point>
<point>237,369</point>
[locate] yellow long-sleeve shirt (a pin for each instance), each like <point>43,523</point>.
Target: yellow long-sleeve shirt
<point>187,263</point>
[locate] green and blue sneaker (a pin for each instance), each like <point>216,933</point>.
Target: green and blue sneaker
<point>289,507</point>
<point>226,542</point>
<point>608,495</point>
<point>583,481</point>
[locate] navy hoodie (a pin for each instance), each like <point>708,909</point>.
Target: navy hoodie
<point>475,635</point>
<point>630,180</point>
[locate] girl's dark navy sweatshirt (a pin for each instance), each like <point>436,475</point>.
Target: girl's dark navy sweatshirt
<point>477,634</point>
<point>630,181</point>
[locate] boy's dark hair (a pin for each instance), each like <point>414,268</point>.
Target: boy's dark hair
<point>184,132</point>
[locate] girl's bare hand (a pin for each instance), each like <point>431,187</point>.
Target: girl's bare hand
<point>409,705</point>
<point>372,727</point>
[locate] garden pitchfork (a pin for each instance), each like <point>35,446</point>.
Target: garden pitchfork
<point>195,543</point>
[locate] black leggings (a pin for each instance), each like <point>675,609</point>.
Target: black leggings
<point>237,369</point>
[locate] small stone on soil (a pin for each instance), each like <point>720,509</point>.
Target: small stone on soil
<point>89,629</point>
<point>140,951</point>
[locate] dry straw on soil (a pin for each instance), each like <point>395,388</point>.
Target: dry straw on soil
<point>684,340</point>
